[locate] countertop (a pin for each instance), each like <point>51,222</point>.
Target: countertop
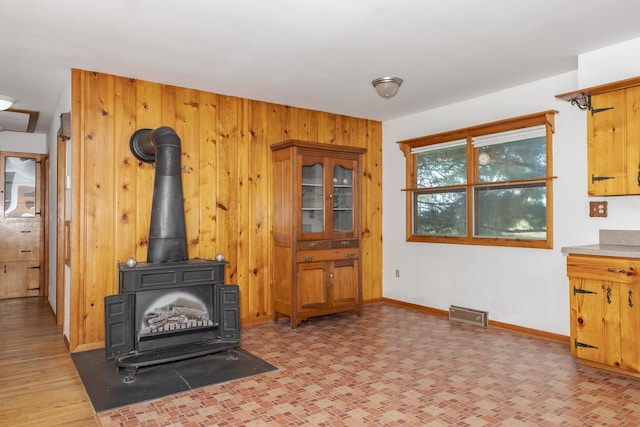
<point>615,243</point>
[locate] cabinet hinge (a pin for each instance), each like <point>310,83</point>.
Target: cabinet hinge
<point>582,291</point>
<point>577,344</point>
<point>600,178</point>
<point>600,110</point>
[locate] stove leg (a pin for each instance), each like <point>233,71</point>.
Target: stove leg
<point>131,375</point>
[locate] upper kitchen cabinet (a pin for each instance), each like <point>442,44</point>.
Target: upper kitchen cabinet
<point>613,136</point>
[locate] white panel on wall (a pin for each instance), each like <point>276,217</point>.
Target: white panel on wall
<point>617,62</point>
<point>23,142</point>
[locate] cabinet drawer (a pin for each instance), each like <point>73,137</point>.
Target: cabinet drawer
<point>21,230</point>
<point>623,270</point>
<point>304,245</point>
<point>20,251</point>
<point>345,243</point>
<point>20,241</point>
<point>327,244</point>
<point>326,255</point>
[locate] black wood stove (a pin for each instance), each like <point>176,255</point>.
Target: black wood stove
<point>171,307</point>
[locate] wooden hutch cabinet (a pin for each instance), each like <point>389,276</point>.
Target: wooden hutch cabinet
<point>20,225</point>
<point>604,295</point>
<point>316,230</point>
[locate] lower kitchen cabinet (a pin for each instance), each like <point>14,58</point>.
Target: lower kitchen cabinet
<point>604,294</point>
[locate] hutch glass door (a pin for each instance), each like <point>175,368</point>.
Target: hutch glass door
<point>313,198</point>
<point>342,199</point>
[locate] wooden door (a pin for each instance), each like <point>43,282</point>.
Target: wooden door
<point>587,319</point>
<point>611,323</point>
<point>344,283</point>
<point>312,286</point>
<point>605,144</point>
<point>632,135</point>
<point>629,326</point>
<point>344,204</point>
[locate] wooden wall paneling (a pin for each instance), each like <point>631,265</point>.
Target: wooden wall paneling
<point>291,123</point>
<point>342,135</point>
<point>77,214</point>
<point>375,136</point>
<point>99,204</point>
<point>326,127</point>
<point>243,245</point>
<point>187,128</point>
<point>372,220</point>
<point>260,227</point>
<point>227,191</point>
<point>228,187</point>
<point>125,178</point>
<point>207,175</point>
<point>304,125</point>
<point>169,102</point>
<point>277,129</point>
<point>148,116</point>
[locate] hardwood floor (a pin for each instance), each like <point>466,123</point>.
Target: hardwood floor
<point>39,385</point>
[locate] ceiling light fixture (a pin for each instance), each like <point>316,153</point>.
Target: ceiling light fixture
<point>6,102</point>
<point>387,87</point>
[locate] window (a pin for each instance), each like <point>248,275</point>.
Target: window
<point>485,185</point>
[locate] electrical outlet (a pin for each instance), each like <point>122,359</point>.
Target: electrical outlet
<point>598,209</point>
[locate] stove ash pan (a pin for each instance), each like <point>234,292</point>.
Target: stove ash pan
<point>171,311</point>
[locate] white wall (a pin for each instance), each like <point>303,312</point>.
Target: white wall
<point>519,286</point>
<point>64,105</point>
<point>21,142</point>
<point>617,62</point>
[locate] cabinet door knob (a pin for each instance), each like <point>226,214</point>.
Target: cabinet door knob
<point>330,275</point>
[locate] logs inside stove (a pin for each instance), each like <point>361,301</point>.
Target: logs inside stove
<point>171,307</point>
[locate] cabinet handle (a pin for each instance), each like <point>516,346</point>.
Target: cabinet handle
<point>25,231</point>
<point>638,178</point>
<point>629,272</point>
<point>313,245</point>
<point>345,243</point>
<point>308,257</point>
<point>25,250</point>
<point>609,295</point>
<point>351,254</point>
<point>630,301</point>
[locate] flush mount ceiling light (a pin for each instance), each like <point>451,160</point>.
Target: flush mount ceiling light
<point>387,87</point>
<point>6,102</point>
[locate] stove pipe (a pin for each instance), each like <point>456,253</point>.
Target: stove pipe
<point>167,230</point>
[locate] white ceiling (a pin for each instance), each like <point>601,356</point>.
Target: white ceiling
<point>315,54</point>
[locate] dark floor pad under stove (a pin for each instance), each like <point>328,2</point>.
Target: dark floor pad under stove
<point>107,390</point>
